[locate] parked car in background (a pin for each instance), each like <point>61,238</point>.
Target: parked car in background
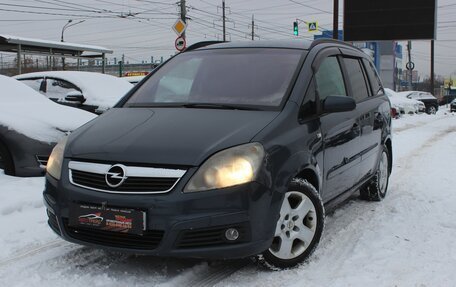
<point>228,150</point>
<point>431,102</point>
<point>404,105</point>
<point>446,99</point>
<point>30,126</point>
<point>93,92</point>
<point>453,106</point>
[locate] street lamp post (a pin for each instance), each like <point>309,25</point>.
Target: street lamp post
<point>67,25</point>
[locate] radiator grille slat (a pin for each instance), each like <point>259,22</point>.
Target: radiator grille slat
<point>131,184</point>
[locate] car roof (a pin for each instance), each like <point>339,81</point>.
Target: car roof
<point>290,44</point>
<point>300,44</point>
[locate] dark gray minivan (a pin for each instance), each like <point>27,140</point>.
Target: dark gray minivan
<point>228,150</point>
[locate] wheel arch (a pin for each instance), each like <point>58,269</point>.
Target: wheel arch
<point>3,143</point>
<point>311,176</point>
<point>300,165</point>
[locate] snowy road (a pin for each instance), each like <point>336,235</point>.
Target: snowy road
<point>406,240</point>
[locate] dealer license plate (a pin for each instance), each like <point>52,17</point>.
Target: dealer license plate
<point>107,218</point>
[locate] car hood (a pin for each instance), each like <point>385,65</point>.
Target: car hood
<point>164,136</point>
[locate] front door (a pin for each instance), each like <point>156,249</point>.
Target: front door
<point>340,131</point>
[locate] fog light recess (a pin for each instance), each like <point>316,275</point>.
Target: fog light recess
<point>231,234</point>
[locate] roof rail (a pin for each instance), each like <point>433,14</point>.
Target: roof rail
<point>202,44</point>
<point>333,41</point>
<point>327,40</point>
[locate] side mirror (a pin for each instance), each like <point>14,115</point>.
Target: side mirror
<point>75,96</point>
<point>335,104</point>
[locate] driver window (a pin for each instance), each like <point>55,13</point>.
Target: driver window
<point>329,80</point>
<point>58,89</point>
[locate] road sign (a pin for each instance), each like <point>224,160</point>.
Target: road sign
<point>410,66</point>
<point>179,27</point>
<point>313,26</point>
<point>180,44</point>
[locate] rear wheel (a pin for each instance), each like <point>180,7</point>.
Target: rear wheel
<point>376,189</point>
<point>6,161</point>
<point>299,227</point>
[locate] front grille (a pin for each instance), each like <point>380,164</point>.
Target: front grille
<point>122,178</point>
<point>42,160</point>
<point>150,239</point>
<point>52,221</point>
<point>214,236</point>
<point>131,184</point>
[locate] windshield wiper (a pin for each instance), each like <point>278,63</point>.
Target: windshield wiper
<point>219,106</point>
<point>192,105</point>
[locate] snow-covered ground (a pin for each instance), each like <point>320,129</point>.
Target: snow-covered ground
<point>405,240</point>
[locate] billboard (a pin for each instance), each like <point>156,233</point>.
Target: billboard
<point>374,20</point>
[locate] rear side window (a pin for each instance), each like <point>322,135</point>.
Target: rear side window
<point>357,80</point>
<point>34,83</point>
<point>376,83</point>
<point>329,79</point>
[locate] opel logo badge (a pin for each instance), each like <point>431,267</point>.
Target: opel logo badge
<point>115,176</point>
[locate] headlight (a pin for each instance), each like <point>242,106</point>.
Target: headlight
<point>54,165</point>
<point>227,168</point>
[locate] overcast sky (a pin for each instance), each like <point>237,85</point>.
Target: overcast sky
<point>142,28</point>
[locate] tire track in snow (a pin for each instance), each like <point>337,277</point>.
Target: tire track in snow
<point>416,125</point>
<point>217,274</point>
<point>26,253</point>
<point>405,169</point>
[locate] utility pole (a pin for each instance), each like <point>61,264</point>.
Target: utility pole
<point>224,19</point>
<point>336,20</point>
<point>432,67</point>
<point>253,28</point>
<point>183,14</point>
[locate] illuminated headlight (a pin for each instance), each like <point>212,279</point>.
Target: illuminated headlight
<point>234,166</point>
<point>54,166</point>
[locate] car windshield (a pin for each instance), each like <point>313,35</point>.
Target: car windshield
<point>221,78</point>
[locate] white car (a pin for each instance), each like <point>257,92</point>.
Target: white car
<point>30,126</point>
<point>430,102</point>
<point>93,92</point>
<point>403,104</point>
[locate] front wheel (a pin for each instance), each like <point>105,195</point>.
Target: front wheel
<point>375,189</point>
<point>431,110</point>
<point>299,227</point>
<point>6,161</point>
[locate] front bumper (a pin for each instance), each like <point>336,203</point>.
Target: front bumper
<point>177,224</point>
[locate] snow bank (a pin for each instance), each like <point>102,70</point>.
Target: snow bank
<point>30,113</point>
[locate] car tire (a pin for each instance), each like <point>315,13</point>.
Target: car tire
<point>6,160</point>
<point>431,110</point>
<point>375,189</point>
<point>299,227</point>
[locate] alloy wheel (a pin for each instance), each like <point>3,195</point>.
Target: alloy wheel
<point>383,173</point>
<point>296,226</point>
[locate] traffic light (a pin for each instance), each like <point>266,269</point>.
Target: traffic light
<point>295,28</point>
